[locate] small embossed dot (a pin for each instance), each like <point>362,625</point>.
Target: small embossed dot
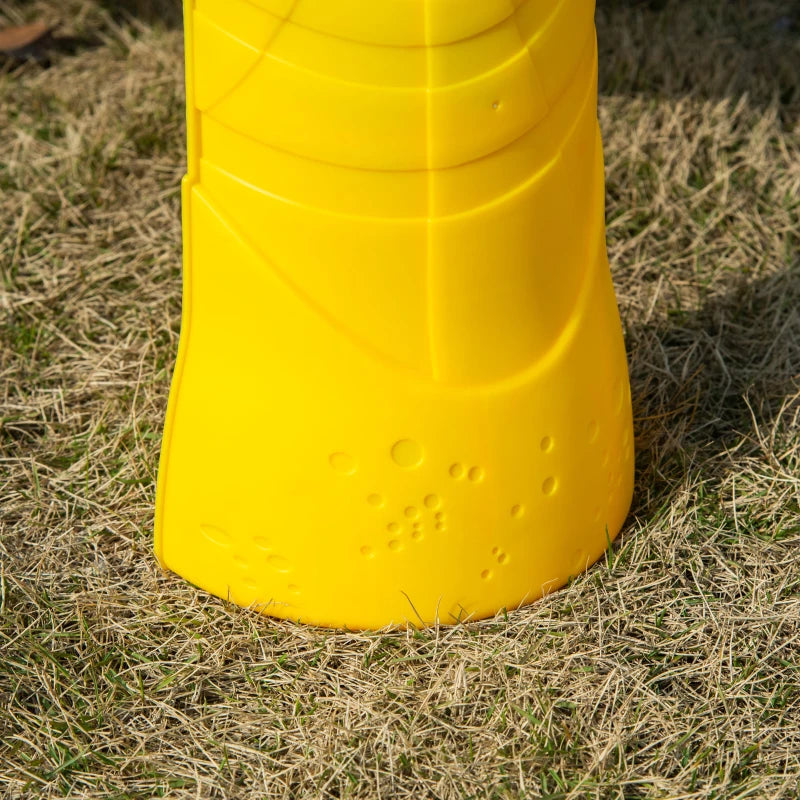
<point>216,535</point>
<point>416,535</point>
<point>502,558</point>
<point>293,588</point>
<point>417,524</point>
<point>476,474</point>
<point>517,511</point>
<point>495,551</point>
<point>432,502</point>
<point>407,453</point>
<point>411,512</point>
<point>343,463</point>
<point>456,471</point>
<point>606,458</point>
<point>549,486</point>
<point>279,563</point>
<point>261,543</point>
<point>486,574</point>
<point>375,500</point>
<point>439,516</point>
<point>592,431</point>
<point>597,514</point>
<point>240,562</point>
<point>440,526</point>
<point>395,546</point>
<point>496,105</point>
<point>367,551</point>
<point>393,527</point>
<point>546,444</point>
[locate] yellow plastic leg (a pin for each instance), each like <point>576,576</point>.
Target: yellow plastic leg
<point>401,392</point>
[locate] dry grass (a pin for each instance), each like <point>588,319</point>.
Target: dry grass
<point>671,670</point>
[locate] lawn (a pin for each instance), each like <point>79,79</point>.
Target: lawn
<point>671,669</point>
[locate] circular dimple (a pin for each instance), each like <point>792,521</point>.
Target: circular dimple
<point>457,471</point>
<point>439,516</point>
<point>393,527</point>
<point>592,431</point>
<point>375,500</point>
<point>293,588</point>
<point>476,474</point>
<point>343,463</point>
<point>411,512</point>
<point>416,535</point>
<point>486,574</point>
<point>496,105</point>
<point>440,526</point>
<point>407,453</point>
<point>432,502</point>
<point>240,561</point>
<point>550,485</point>
<point>495,551</point>
<point>367,551</point>
<point>517,511</point>
<point>417,524</point>
<point>216,535</point>
<point>620,390</point>
<point>395,546</point>
<point>279,564</point>
<point>502,558</point>
<point>546,444</point>
<point>261,543</point>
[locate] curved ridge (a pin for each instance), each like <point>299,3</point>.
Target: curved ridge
<point>499,66</point>
<point>254,66</point>
<point>361,342</point>
<point>593,258</point>
<point>430,93</point>
<point>496,201</point>
<point>517,5</point>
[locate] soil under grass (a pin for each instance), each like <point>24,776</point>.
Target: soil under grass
<point>670,670</point>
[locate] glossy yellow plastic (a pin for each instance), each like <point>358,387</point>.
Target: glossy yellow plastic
<point>401,393</point>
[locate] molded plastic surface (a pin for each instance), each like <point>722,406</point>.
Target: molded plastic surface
<point>401,391</point>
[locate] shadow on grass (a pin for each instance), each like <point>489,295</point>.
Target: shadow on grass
<point>710,381</point>
<point>168,13</point>
<point>707,383</point>
<point>715,388</point>
<point>708,49</point>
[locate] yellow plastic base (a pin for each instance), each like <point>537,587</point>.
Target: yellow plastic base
<point>402,393</point>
